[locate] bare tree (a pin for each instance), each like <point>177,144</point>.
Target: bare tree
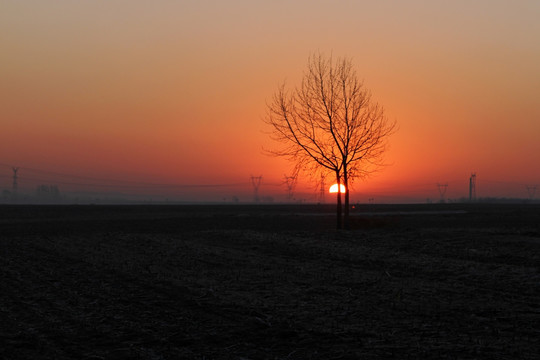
<point>330,123</point>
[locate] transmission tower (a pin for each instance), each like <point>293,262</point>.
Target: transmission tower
<point>442,190</point>
<point>322,190</point>
<point>531,189</point>
<point>15,169</point>
<point>472,187</point>
<point>256,182</point>
<point>290,181</point>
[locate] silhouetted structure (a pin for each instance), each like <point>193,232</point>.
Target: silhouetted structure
<point>256,182</point>
<point>472,187</point>
<point>47,193</point>
<point>15,169</point>
<point>531,189</point>
<point>322,190</point>
<point>442,190</point>
<point>290,181</point>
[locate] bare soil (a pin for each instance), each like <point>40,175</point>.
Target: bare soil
<point>269,282</point>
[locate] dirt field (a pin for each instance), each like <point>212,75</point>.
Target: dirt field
<point>269,282</point>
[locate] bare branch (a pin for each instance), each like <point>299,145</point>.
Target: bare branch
<point>330,121</point>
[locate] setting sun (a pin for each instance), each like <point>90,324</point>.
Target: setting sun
<point>333,188</point>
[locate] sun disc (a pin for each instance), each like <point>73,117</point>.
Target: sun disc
<point>334,188</point>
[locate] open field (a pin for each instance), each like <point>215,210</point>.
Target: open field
<point>455,281</point>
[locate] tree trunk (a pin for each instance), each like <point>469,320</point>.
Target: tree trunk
<point>339,206</point>
<point>346,183</point>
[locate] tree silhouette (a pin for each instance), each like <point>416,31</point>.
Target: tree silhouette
<point>330,124</point>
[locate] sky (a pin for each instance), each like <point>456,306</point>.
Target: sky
<point>173,93</point>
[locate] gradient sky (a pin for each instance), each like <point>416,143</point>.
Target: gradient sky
<point>175,91</point>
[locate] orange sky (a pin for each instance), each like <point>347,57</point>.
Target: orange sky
<point>174,92</point>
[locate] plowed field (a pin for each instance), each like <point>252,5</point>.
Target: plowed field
<point>269,282</point>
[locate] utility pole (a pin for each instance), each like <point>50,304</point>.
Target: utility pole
<point>442,190</point>
<point>472,187</point>
<point>15,169</point>
<point>256,182</point>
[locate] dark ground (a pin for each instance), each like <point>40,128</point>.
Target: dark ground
<point>452,281</point>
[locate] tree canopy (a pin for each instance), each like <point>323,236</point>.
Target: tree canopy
<point>330,123</point>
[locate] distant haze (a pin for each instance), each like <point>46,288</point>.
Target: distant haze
<point>146,96</point>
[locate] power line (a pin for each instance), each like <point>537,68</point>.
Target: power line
<point>21,176</point>
<point>102,182</point>
<point>133,186</point>
<point>73,176</point>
